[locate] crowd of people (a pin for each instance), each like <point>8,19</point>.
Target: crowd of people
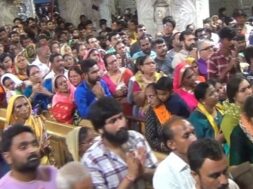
<point>191,89</point>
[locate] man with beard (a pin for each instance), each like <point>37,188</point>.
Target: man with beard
<point>91,88</point>
<point>162,59</point>
<point>21,151</point>
<point>224,60</point>
<point>120,158</point>
<point>187,39</point>
<point>209,165</point>
<point>146,48</point>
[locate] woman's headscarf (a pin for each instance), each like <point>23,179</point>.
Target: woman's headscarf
<point>14,78</point>
<point>178,74</point>
<point>36,125</point>
<point>72,141</point>
<point>20,76</point>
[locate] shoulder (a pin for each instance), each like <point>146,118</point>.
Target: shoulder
<point>47,173</point>
<point>94,153</point>
<point>232,184</point>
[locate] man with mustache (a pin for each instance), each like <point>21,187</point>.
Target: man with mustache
<point>188,40</point>
<point>20,150</point>
<point>162,60</point>
<point>121,158</point>
<point>91,88</point>
<point>209,165</point>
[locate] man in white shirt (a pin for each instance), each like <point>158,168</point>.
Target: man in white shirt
<point>174,172</point>
<point>42,59</point>
<point>209,165</point>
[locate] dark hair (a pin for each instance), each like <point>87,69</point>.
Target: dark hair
<point>248,53</point>
<point>140,26</point>
<point>239,13</point>
<point>103,109</point>
<point>10,133</point>
<point>233,86</point>
<point>111,34</point>
<point>106,57</point>
<point>183,34</point>
<point>248,107</point>
<point>87,64</point>
<point>159,41</point>
<point>4,55</point>
<point>89,37</point>
<point>202,149</point>
<point>13,32</point>
<point>52,43</point>
<point>227,33</point>
<point>140,60</point>
<point>83,132</point>
<point>17,18</point>
<point>28,70</point>
<point>76,69</point>
<point>151,86</point>
<point>200,90</point>
<point>6,78</point>
<point>145,36</point>
<point>164,84</point>
<point>53,56</point>
<point>167,133</point>
<point>170,20</point>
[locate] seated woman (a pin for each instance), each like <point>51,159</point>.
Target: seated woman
<point>117,79</point>
<point>184,84</point>
<point>96,55</point>
<point>241,148</point>
<point>63,105</point>
<point>238,89</point>
<point>79,140</point>
<point>7,61</point>
<point>147,74</point>
<point>12,85</point>
<point>206,118</point>
<point>69,61</point>
<point>155,117</point>
<point>19,111</point>
<point>21,64</point>
<point>37,93</point>
<point>75,75</point>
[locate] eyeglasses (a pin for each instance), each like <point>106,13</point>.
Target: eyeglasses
<point>207,48</point>
<point>114,119</point>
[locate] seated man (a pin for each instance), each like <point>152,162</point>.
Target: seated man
<point>21,151</point>
<point>91,89</point>
<point>209,165</point>
<point>120,158</point>
<point>174,171</point>
<point>73,175</point>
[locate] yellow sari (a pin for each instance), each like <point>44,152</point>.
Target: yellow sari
<point>35,122</point>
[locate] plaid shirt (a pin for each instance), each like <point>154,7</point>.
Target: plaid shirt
<point>107,169</point>
<point>216,64</point>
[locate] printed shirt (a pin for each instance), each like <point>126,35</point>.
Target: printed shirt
<point>107,169</point>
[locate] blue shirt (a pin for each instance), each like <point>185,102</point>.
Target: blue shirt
<point>40,101</point>
<point>84,97</point>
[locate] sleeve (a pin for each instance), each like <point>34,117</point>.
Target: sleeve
<point>98,180</point>
<point>106,88</point>
<point>237,147</point>
<point>151,161</point>
<point>211,69</point>
<point>151,131</point>
<point>201,125</point>
<point>81,102</point>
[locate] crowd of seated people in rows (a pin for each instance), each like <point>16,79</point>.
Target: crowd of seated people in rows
<point>192,91</point>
